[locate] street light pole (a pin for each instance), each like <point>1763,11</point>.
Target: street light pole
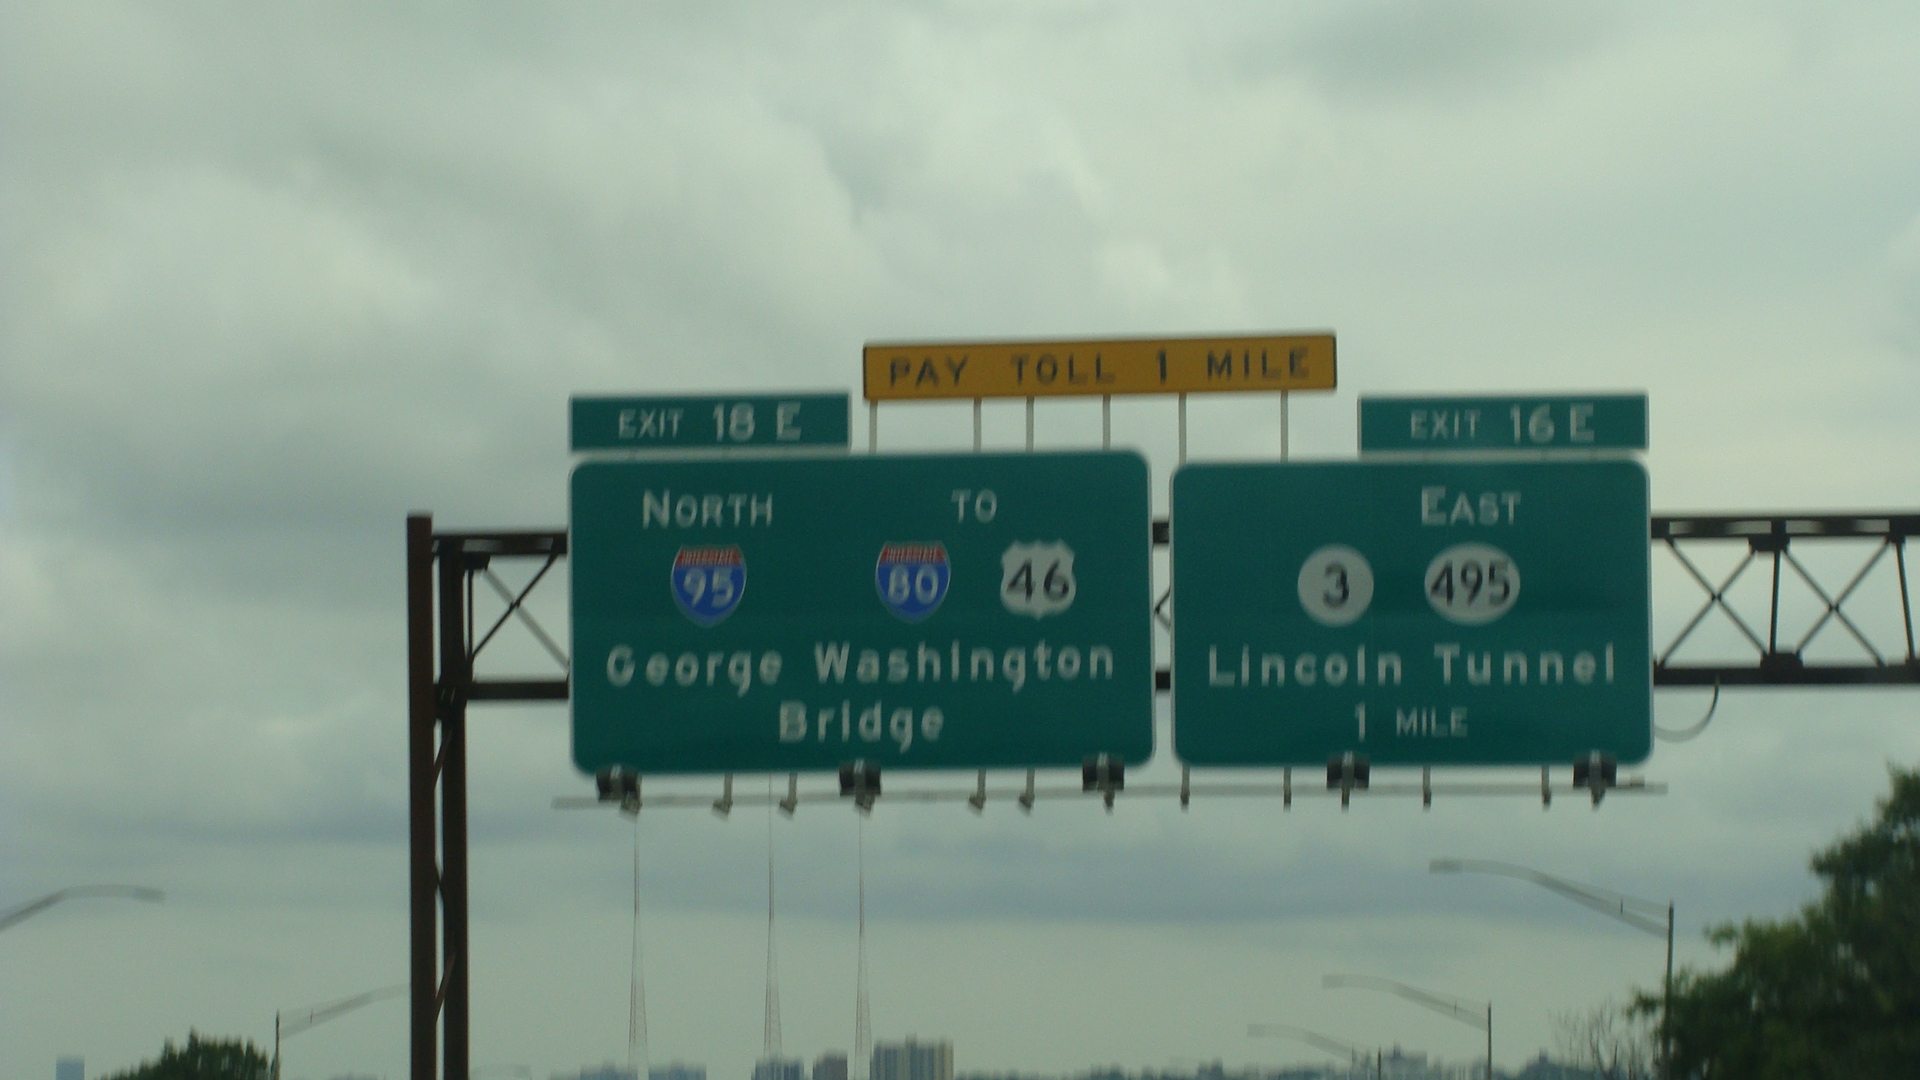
<point>1355,1054</point>
<point>320,1014</point>
<point>35,907</point>
<point>1666,1005</point>
<point>1469,1013</point>
<point>1635,912</point>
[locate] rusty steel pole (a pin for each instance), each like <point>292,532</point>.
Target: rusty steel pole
<point>423,871</point>
<point>456,675</point>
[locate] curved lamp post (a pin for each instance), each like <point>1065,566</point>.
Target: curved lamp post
<point>1355,1054</point>
<point>1470,1013</point>
<point>1647,916</point>
<point>35,907</point>
<point>319,1014</point>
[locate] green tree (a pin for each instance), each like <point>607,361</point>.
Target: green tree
<point>203,1059</point>
<point>1832,992</point>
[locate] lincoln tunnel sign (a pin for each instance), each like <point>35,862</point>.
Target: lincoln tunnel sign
<point>1412,613</point>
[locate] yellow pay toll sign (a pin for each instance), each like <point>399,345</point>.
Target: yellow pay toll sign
<point>1021,369</point>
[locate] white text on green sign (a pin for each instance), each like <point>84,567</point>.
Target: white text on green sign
<point>1552,422</point>
<point>709,421</point>
<point>929,611</point>
<point>1413,613</point>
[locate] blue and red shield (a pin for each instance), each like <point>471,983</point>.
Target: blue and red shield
<point>708,582</point>
<point>912,578</point>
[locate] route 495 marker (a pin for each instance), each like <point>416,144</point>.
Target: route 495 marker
<point>1411,613</point>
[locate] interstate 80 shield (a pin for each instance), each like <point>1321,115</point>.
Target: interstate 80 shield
<point>912,578</point>
<point>832,656</point>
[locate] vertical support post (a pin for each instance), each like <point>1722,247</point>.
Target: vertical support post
<point>976,425</point>
<point>1773,614</point>
<point>1906,602</point>
<point>1183,429</point>
<point>455,676</point>
<point>1106,421</point>
<point>1283,425</point>
<point>1489,1040</point>
<point>1029,423</point>
<point>423,966</point>
<point>1666,1006</point>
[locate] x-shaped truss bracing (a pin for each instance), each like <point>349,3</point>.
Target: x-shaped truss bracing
<point>1770,539</point>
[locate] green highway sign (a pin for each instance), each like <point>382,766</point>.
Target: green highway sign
<point>1414,613</point>
<point>915,612</point>
<point>1554,422</point>
<point>709,422</point>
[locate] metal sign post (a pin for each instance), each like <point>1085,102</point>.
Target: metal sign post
<point>437,758</point>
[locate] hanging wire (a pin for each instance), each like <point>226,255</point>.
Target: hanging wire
<point>862,1013</point>
<point>636,980</point>
<point>770,1035</point>
<point>1684,734</point>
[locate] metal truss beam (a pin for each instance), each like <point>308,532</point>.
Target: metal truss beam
<point>1771,539</point>
<point>440,627</point>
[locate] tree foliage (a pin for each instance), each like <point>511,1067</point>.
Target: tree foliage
<point>203,1059</point>
<point>1609,1041</point>
<point>1832,992</point>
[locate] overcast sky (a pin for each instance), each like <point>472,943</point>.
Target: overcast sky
<point>276,275</point>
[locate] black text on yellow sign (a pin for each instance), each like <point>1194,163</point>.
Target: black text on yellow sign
<point>1098,368</point>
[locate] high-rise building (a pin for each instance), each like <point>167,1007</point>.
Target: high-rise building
<point>780,1069</point>
<point>609,1071</point>
<point>69,1069</point>
<point>913,1060</point>
<point>831,1066</point>
<point>677,1071</point>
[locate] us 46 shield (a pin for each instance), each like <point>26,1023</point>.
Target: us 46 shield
<point>1037,578</point>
